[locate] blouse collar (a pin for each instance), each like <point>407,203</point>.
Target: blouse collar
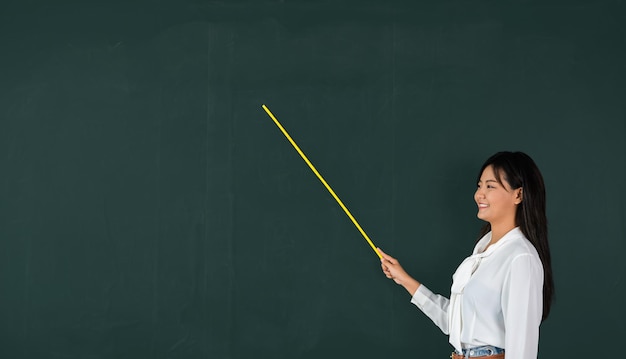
<point>484,241</point>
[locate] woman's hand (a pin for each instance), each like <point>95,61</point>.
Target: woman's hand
<point>391,267</point>
<point>393,270</point>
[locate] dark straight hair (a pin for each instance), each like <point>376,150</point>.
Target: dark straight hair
<point>520,171</point>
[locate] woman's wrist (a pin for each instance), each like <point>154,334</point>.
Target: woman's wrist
<point>411,285</point>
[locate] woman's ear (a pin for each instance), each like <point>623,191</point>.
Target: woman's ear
<point>519,197</point>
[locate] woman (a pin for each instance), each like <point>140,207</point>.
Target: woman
<point>503,291</point>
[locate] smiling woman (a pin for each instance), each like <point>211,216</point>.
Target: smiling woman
<point>503,291</point>
<point>497,203</point>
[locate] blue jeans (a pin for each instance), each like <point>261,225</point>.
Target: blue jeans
<point>485,350</point>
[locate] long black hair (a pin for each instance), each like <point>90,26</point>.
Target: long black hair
<point>520,171</point>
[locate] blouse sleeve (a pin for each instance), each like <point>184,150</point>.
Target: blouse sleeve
<point>433,305</point>
<point>522,306</point>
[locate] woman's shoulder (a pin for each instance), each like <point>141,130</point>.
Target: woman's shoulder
<point>518,245</point>
<point>521,252</point>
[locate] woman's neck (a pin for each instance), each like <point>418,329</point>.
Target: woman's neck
<point>499,231</point>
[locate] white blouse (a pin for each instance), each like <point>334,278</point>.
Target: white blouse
<point>496,298</point>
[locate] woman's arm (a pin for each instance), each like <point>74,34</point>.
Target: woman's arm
<point>433,305</point>
<point>522,306</point>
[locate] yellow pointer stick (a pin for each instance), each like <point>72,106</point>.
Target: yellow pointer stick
<point>293,143</point>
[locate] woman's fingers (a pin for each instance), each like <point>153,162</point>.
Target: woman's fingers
<point>383,254</point>
<point>385,268</point>
<point>386,257</point>
<point>390,266</point>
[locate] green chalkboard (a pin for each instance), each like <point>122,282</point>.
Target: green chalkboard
<point>149,207</point>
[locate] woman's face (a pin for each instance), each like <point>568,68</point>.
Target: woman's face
<point>496,202</point>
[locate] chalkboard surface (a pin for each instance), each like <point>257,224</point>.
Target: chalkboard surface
<point>149,207</point>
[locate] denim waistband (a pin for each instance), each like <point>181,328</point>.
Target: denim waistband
<point>484,350</point>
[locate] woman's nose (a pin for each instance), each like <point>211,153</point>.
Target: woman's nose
<point>479,193</point>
